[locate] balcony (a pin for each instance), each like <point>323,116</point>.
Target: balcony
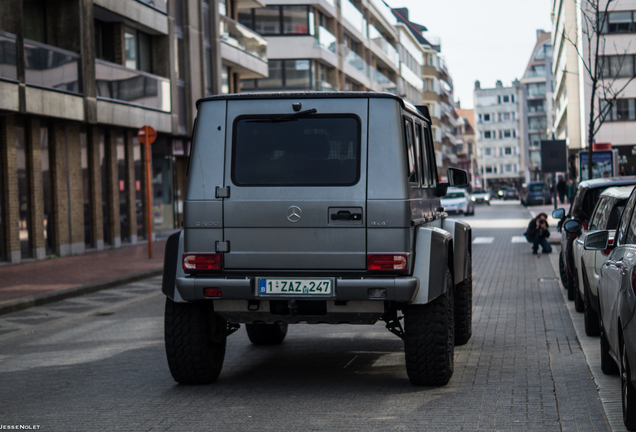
<point>120,84</point>
<point>324,86</point>
<point>160,5</point>
<point>355,66</point>
<point>8,60</point>
<point>326,39</point>
<point>51,67</point>
<point>382,81</point>
<point>385,11</point>
<point>354,17</point>
<point>243,48</point>
<point>385,48</point>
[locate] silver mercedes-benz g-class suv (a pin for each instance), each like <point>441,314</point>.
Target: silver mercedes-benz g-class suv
<point>315,208</point>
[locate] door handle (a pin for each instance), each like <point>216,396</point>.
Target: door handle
<point>345,215</point>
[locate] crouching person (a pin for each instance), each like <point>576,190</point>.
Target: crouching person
<point>538,232</point>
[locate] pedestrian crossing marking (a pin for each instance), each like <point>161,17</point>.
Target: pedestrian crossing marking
<point>518,239</point>
<point>483,240</point>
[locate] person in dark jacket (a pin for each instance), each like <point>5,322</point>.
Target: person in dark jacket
<point>538,232</point>
<point>561,189</point>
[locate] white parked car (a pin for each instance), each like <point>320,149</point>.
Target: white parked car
<point>458,201</point>
<point>588,263</point>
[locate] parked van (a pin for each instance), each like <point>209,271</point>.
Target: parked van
<point>319,208</point>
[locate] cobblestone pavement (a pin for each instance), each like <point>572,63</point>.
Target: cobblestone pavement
<point>97,362</point>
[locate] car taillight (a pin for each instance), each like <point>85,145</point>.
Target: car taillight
<point>202,261</point>
<point>386,262</point>
<point>610,242</point>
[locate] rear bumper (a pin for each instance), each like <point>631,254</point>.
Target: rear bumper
<point>400,289</point>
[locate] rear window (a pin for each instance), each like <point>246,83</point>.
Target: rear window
<point>320,150</point>
<point>537,187</point>
<point>454,195</point>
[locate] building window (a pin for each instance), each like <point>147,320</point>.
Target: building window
<point>507,151</point>
<point>104,48</point>
<point>507,133</point>
<point>536,106</point>
<point>617,66</point>
<point>537,123</point>
<point>488,152</point>
<point>488,134</point>
<point>536,89</point>
<point>138,50</point>
<point>278,20</point>
<point>506,116</point>
<point>619,22</point>
<point>623,110</point>
<point>288,74</point>
<point>506,99</point>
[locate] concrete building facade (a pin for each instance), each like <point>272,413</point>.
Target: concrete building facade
<point>77,80</point>
<point>498,132</point>
<point>537,113</point>
<point>572,85</point>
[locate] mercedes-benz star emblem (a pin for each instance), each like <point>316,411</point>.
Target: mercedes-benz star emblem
<point>294,214</point>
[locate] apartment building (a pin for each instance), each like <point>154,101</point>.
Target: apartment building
<point>436,85</point>
<point>77,80</point>
<point>498,132</point>
<point>326,45</point>
<point>537,112</point>
<point>466,148</point>
<point>572,85</point>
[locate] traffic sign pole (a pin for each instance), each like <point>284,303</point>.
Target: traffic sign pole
<point>147,135</point>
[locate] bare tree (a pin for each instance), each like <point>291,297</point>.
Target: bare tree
<point>603,69</point>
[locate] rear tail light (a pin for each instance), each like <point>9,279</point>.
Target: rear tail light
<point>610,242</point>
<point>386,262</point>
<point>201,261</point>
<point>212,292</point>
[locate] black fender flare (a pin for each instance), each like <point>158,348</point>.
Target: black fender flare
<point>433,248</point>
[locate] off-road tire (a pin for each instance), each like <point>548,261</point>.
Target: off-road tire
<point>266,334</point>
<point>608,365</point>
<point>429,339</point>
<point>195,355</point>
<point>464,307</point>
<point>579,304</point>
<point>590,316</point>
<point>628,392</point>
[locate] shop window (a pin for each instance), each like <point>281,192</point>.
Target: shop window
<point>23,193</point>
<point>47,190</point>
<point>121,187</point>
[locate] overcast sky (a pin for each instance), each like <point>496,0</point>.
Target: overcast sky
<point>485,40</point>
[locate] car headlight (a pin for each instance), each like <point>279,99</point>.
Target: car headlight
<point>487,198</point>
<point>472,198</point>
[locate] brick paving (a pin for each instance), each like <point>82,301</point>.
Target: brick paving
<point>523,370</point>
<point>41,277</point>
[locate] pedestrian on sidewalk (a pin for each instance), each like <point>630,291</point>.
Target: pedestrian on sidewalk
<point>561,189</point>
<point>571,188</point>
<point>538,232</point>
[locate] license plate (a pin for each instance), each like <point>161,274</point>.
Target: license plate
<point>295,286</point>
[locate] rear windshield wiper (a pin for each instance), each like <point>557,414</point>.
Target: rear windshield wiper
<point>293,116</point>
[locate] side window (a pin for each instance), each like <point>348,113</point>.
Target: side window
<point>410,153</point>
<point>421,149</point>
<point>615,215</point>
<point>627,214</point>
<point>429,150</point>
<point>597,216</point>
<point>631,232</point>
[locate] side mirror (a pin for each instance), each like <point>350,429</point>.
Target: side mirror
<point>558,214</point>
<point>457,177</point>
<point>572,226</point>
<point>441,189</point>
<point>597,240</point>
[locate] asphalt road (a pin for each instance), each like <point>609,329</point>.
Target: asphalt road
<point>97,362</point>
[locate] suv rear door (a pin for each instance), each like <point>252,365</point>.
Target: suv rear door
<point>297,197</point>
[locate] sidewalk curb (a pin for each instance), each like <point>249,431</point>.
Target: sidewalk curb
<point>53,296</point>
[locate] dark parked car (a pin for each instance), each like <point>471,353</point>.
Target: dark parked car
<point>535,193</point>
<point>507,193</point>
<point>583,203</point>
